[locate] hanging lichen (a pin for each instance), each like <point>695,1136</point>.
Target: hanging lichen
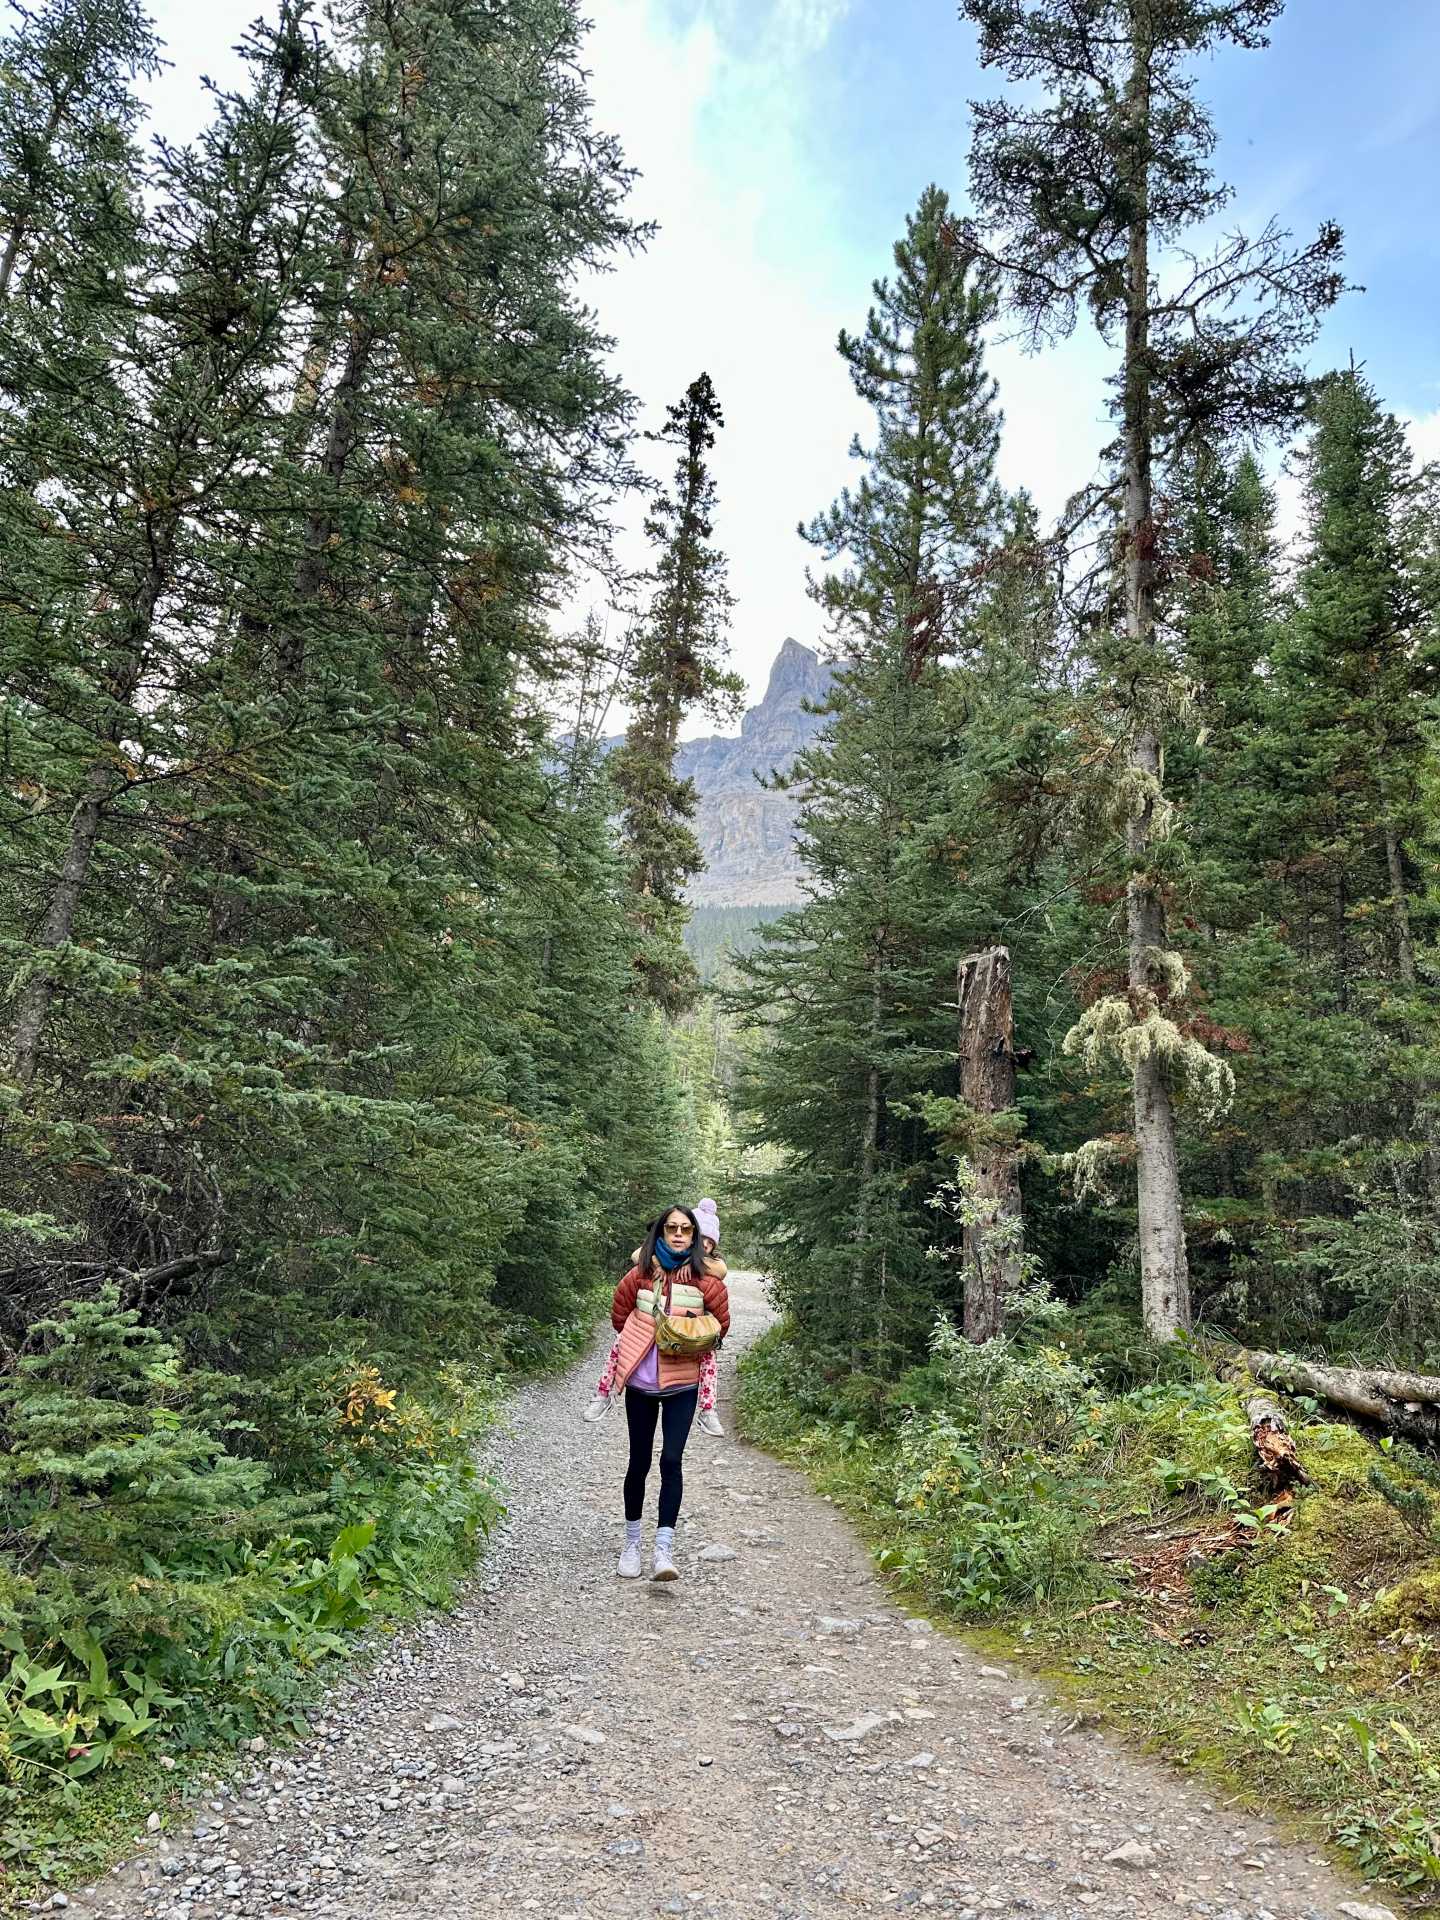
<point>1133,791</point>
<point>1168,972</point>
<point>1089,1166</point>
<point>1131,1028</point>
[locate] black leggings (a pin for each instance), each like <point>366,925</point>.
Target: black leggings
<point>675,1412</point>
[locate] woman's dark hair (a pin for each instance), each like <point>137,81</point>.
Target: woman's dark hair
<point>657,1232</point>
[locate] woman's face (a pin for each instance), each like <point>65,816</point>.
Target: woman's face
<point>678,1231</point>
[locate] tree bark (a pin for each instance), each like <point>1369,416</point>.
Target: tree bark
<point>993,1239</point>
<point>1164,1267</point>
<point>1403,1403</point>
<point>1404,938</point>
<point>869,1160</point>
<point>313,568</point>
<point>1274,1443</point>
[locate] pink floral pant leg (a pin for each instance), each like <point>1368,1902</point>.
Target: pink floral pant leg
<point>708,1372</point>
<point>607,1378</point>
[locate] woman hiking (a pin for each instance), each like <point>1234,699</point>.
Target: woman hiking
<point>707,1218</point>
<point>661,1388</point>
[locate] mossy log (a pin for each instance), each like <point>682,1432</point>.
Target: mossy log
<point>1403,1403</point>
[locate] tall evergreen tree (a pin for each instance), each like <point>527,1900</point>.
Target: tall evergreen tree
<point>677,668</point>
<point>1079,193</point>
<point>294,645</point>
<point>853,988</point>
<point>1351,677</point>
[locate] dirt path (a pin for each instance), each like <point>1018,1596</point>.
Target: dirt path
<point>770,1736</point>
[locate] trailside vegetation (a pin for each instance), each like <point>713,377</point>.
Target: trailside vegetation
<point>328,1097</point>
<point>1142,803</point>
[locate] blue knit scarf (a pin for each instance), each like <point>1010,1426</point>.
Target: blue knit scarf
<point>668,1259</point>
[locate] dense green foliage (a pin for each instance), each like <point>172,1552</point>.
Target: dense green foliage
<point>975,784</point>
<point>852,994</point>
<point>1098,1504</point>
<point>326,1071</point>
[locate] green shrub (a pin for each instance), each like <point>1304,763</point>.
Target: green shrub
<point>1015,1394</point>
<point>983,1529</point>
<point>106,1465</point>
<point>155,1583</point>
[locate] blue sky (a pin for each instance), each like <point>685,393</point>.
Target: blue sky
<point>794,135</point>
<point>781,143</point>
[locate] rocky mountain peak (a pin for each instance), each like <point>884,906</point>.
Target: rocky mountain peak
<point>746,833</point>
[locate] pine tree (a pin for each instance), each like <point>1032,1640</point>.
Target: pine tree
<point>1080,193</point>
<point>68,116</point>
<point>852,989</point>
<point>1352,673</point>
<point>677,669</point>
<point>137,470</point>
<point>294,1033</point>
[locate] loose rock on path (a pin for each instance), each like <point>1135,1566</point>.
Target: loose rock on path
<point>769,1736</point>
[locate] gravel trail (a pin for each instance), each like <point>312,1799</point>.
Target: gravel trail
<point>769,1736</point>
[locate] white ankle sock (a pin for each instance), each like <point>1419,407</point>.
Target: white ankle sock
<point>632,1533</point>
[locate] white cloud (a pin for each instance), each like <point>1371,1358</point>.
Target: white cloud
<point>711,112</point>
<point>1424,432</point>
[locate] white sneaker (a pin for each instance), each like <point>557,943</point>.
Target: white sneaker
<point>598,1407</point>
<point>709,1422</point>
<point>665,1567</point>
<point>629,1567</point>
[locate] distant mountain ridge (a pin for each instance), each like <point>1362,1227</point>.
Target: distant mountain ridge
<point>746,833</point>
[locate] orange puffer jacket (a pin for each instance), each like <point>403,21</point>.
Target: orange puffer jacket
<point>630,1315</point>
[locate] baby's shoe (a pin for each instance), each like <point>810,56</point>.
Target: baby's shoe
<point>598,1407</point>
<point>710,1423</point>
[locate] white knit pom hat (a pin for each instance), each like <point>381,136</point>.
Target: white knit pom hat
<point>709,1221</point>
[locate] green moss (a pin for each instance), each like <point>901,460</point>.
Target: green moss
<point>1222,1582</point>
<point>1337,1458</point>
<point>1413,1604</point>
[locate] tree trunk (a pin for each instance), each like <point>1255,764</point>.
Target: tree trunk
<point>313,567</point>
<point>993,1239</point>
<point>95,791</point>
<point>60,917</point>
<point>21,224</point>
<point>1404,939</point>
<point>319,351</point>
<point>1403,1403</point>
<point>1274,1443</point>
<point>1164,1268</point>
<point>1338,940</point>
<point>869,1159</point>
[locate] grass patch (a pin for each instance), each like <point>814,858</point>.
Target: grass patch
<point>1124,1541</point>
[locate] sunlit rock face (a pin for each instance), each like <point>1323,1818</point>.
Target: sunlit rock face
<point>746,834</point>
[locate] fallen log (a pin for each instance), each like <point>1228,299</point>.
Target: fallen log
<point>1274,1443</point>
<point>1404,1403</point>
